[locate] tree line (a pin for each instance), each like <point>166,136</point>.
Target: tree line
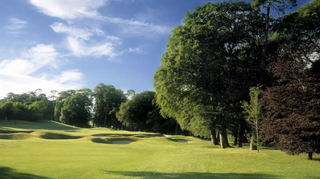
<point>105,106</point>
<point>246,69</point>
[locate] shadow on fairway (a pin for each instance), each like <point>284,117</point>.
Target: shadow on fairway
<point>6,173</point>
<point>151,175</point>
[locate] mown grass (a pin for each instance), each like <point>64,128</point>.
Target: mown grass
<point>150,156</point>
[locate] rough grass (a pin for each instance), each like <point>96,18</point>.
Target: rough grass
<point>150,156</point>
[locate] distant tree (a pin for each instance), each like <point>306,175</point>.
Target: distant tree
<point>130,93</point>
<point>293,105</point>
<point>76,110</point>
<point>53,96</point>
<point>59,102</point>
<point>142,113</point>
<point>7,110</point>
<point>22,112</point>
<point>38,110</point>
<point>107,102</point>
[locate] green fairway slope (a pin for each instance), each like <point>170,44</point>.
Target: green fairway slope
<point>53,150</point>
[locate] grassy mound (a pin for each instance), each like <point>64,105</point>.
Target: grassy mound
<point>15,136</point>
<point>51,135</point>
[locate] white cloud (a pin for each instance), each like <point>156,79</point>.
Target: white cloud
<point>72,31</point>
<point>70,76</point>
<point>80,48</point>
<point>125,21</point>
<point>137,50</point>
<point>18,75</point>
<point>80,41</point>
<point>33,59</point>
<point>69,9</point>
<point>19,83</point>
<point>134,27</point>
<point>16,66</point>
<point>15,25</point>
<point>78,9</point>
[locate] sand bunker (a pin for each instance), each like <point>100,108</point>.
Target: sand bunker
<point>183,141</point>
<point>122,141</point>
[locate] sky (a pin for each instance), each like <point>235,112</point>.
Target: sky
<point>73,44</point>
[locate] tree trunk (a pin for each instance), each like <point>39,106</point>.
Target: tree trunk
<point>240,136</point>
<point>310,155</point>
<point>224,138</point>
<point>252,145</point>
<point>214,139</point>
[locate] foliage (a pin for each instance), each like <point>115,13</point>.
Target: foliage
<point>63,95</point>
<point>279,5</point>
<point>107,102</point>
<point>20,107</point>
<point>208,68</point>
<point>141,113</point>
<point>254,113</point>
<point>76,109</point>
<point>293,105</point>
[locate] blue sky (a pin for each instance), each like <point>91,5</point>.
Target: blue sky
<point>72,44</point>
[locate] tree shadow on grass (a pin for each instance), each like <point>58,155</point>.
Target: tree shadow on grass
<point>191,175</point>
<point>316,159</point>
<point>9,173</point>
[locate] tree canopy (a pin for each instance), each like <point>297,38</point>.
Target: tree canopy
<point>142,113</point>
<point>208,68</point>
<point>107,102</point>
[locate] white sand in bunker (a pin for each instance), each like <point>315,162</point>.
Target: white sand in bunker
<point>183,141</point>
<point>122,141</point>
